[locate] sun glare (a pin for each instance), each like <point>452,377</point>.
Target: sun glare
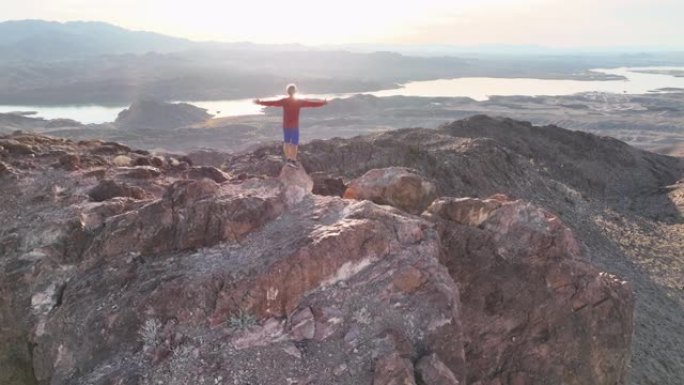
<point>304,21</point>
<point>313,22</point>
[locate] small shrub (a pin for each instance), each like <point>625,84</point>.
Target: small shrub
<point>149,333</point>
<point>242,320</point>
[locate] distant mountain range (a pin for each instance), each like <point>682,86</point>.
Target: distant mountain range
<point>51,63</point>
<point>45,40</point>
<point>28,39</point>
<point>499,49</point>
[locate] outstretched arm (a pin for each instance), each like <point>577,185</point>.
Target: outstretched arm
<point>269,103</point>
<point>314,103</point>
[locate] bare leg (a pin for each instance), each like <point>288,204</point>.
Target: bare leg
<point>294,152</point>
<point>288,151</point>
<point>285,152</point>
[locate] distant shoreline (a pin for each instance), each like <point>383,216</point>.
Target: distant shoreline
<point>671,72</point>
<point>69,98</point>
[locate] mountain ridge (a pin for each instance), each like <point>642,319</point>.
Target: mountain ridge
<point>83,26</point>
<point>22,39</point>
<point>248,276</point>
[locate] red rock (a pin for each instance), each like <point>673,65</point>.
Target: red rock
<point>326,184</point>
<point>88,161</point>
<point>97,174</point>
<point>277,291</point>
<point>395,186</point>
<point>142,161</point>
<point>208,158</point>
<point>303,325</point>
<point>16,147</point>
<point>393,370</point>
<point>212,173</point>
<point>256,163</point>
<point>432,371</point>
<point>260,335</point>
<point>297,184</point>
<point>408,280</point>
<point>178,164</point>
<point>331,265</point>
<point>94,217</point>
<point>108,189</point>
<point>328,321</point>
<point>109,148</point>
<point>526,293</point>
<point>157,161</point>
<point>340,291</point>
<point>188,191</point>
<point>467,211</point>
<point>141,172</point>
<point>187,217</point>
<point>70,162</point>
<point>4,168</point>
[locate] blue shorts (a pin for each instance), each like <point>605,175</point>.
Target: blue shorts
<point>291,135</point>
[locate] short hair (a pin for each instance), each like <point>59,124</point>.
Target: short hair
<point>292,87</point>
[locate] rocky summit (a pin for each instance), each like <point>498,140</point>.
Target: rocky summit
<point>450,256</point>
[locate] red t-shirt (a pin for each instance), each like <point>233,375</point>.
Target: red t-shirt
<point>291,107</point>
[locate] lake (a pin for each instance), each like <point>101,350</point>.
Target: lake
<point>478,88</point>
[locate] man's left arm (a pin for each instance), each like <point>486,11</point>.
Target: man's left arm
<point>314,103</point>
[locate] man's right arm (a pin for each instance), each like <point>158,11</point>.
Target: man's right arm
<point>269,103</point>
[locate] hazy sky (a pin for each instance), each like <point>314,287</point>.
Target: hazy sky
<point>556,23</point>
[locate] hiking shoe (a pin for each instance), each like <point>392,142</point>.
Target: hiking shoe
<point>292,163</point>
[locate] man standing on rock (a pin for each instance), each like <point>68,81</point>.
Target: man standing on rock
<point>291,106</point>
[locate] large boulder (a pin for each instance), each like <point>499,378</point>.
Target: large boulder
<point>534,310</point>
<point>191,214</point>
<point>212,173</point>
<point>108,148</point>
<point>367,281</point>
<point>70,162</point>
<point>326,184</point>
<point>208,157</point>
<point>297,184</point>
<point>395,186</point>
<point>15,147</point>
<point>108,189</point>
